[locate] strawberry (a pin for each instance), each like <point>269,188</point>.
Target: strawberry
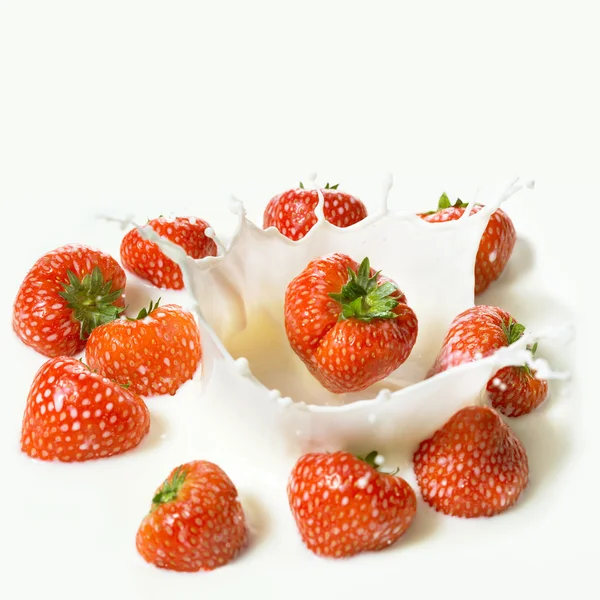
<point>293,211</point>
<point>349,325</point>
<point>145,259</point>
<point>473,466</point>
<point>66,294</point>
<point>74,414</point>
<point>342,505</point>
<point>478,332</point>
<point>154,354</point>
<point>195,523</point>
<point>497,241</point>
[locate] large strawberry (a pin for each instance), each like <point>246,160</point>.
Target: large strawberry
<point>293,211</point>
<point>474,466</point>
<point>66,294</point>
<point>497,241</point>
<point>196,521</point>
<point>342,505</point>
<point>153,354</point>
<point>74,414</point>
<point>145,258</point>
<point>350,325</point>
<point>478,332</point>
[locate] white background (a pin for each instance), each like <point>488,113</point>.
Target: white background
<point>177,104</point>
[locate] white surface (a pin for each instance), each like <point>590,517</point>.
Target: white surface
<point>172,106</point>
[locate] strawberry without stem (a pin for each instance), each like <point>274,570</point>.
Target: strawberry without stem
<point>497,242</point>
<point>473,466</point>
<point>342,505</point>
<point>66,294</point>
<point>154,354</point>
<point>293,212</point>
<point>145,259</point>
<point>74,414</point>
<point>196,521</point>
<point>478,332</point>
<point>349,325</point>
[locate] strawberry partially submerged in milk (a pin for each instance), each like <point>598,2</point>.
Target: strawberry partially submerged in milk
<point>350,325</point>
<point>480,331</point>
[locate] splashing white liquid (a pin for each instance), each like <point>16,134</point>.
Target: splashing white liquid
<point>256,383</point>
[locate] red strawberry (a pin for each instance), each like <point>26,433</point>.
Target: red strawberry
<point>497,241</point>
<point>293,212</point>
<point>144,258</point>
<point>67,293</point>
<point>350,325</point>
<point>342,505</point>
<point>478,332</point>
<point>195,523</point>
<point>154,354</point>
<point>74,414</point>
<point>474,466</point>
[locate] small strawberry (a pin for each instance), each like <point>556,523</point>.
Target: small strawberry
<point>497,241</point>
<point>74,414</point>
<point>145,258</point>
<point>474,466</point>
<point>350,325</point>
<point>66,294</point>
<point>154,354</point>
<point>342,505</point>
<point>478,332</point>
<point>195,523</point>
<point>293,212</point>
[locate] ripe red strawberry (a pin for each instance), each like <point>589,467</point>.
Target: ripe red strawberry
<point>66,294</point>
<point>478,332</point>
<point>195,523</point>
<point>342,505</point>
<point>74,414</point>
<point>293,212</point>
<point>153,354</point>
<point>474,466</point>
<point>350,325</point>
<point>144,258</point>
<point>497,241</point>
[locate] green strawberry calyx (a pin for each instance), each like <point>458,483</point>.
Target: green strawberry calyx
<point>327,186</point>
<point>513,331</point>
<point>91,300</point>
<point>170,489</point>
<point>145,311</point>
<point>444,202</point>
<point>363,299</point>
<point>371,460</point>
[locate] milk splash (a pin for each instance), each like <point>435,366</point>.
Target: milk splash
<point>255,382</point>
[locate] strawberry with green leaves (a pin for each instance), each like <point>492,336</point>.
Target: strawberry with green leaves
<point>293,211</point>
<point>350,325</point>
<point>496,245</point>
<point>67,294</point>
<point>74,414</point>
<point>144,258</point>
<point>474,466</point>
<point>196,521</point>
<point>153,354</point>
<point>480,331</point>
<point>344,505</point>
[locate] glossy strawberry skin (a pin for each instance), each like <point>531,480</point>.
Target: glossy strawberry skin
<point>496,246</point>
<point>41,317</point>
<point>202,529</point>
<point>145,259</point>
<point>478,332</point>
<point>293,211</point>
<point>515,391</point>
<point>473,466</point>
<point>74,414</point>
<point>343,506</point>
<point>153,355</point>
<point>348,355</point>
